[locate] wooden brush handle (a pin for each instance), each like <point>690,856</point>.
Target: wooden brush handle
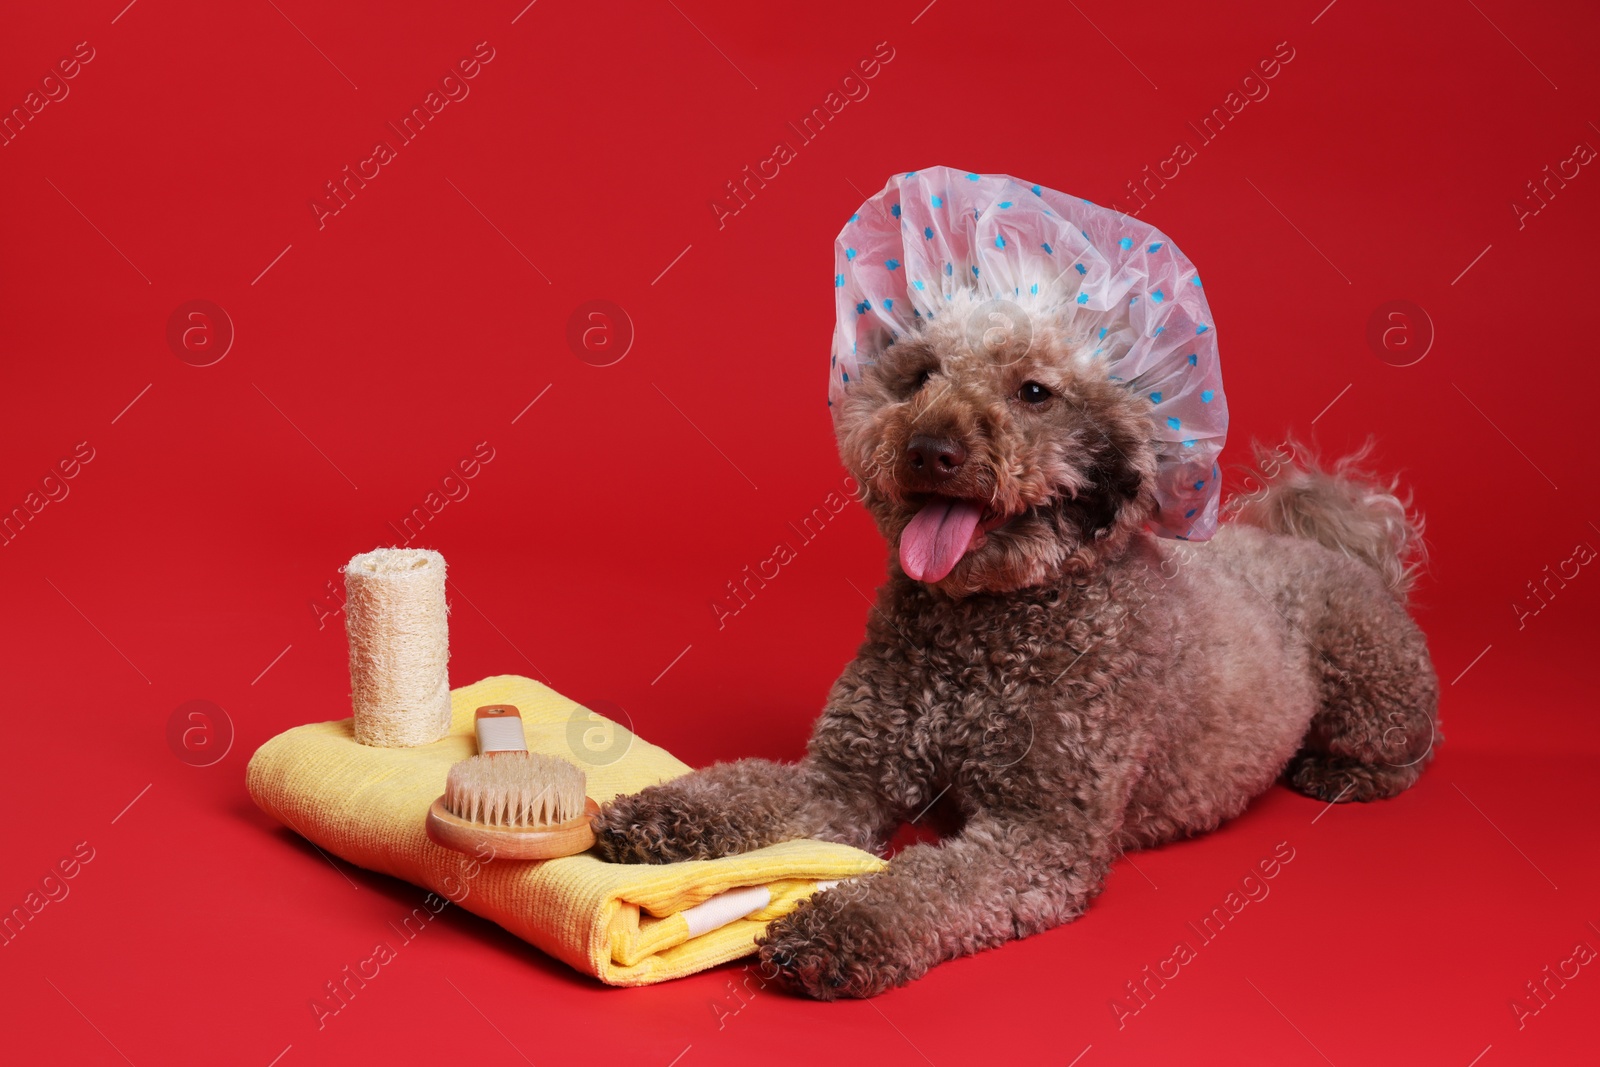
<point>499,729</point>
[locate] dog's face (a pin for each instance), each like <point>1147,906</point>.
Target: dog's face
<point>992,451</point>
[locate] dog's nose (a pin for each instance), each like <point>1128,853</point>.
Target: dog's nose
<point>934,459</point>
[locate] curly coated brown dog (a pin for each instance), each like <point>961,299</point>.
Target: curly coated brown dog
<point>1075,687</point>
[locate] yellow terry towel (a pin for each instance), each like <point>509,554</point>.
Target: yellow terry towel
<point>626,924</point>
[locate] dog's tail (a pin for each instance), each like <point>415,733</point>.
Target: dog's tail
<point>1344,508</point>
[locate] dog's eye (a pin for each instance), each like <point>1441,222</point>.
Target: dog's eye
<point>1033,393</point>
<point>921,379</point>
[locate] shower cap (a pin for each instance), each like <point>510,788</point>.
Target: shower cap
<point>1119,284</point>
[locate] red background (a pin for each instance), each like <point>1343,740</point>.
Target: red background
<point>379,350</point>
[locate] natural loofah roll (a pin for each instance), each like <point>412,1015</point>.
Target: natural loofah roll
<point>399,646</point>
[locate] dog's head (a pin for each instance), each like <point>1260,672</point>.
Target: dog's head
<point>994,452</point>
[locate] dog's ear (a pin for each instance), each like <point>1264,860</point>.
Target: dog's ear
<point>1122,471</point>
<point>1100,507</point>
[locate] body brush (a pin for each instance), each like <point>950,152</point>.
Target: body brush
<point>523,805</point>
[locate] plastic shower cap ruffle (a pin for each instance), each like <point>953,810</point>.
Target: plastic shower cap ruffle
<point>931,235</point>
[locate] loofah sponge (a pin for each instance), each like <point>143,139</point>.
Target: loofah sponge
<point>395,617</point>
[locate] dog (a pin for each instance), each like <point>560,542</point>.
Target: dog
<point>1039,667</point>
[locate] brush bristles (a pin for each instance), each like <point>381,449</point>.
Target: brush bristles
<point>524,790</point>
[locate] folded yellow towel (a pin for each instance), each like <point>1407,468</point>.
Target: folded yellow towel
<point>626,924</point>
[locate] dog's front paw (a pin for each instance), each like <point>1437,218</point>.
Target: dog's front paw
<point>653,826</point>
<point>833,946</point>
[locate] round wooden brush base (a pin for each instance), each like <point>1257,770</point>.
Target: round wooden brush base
<point>567,839</point>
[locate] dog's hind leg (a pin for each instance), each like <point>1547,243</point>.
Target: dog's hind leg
<point>1377,726</point>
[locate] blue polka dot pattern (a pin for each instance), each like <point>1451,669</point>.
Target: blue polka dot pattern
<point>1132,297</point>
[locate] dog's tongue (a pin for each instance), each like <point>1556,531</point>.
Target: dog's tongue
<point>934,541</point>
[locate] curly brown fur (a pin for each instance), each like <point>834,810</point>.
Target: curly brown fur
<point>1074,687</point>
